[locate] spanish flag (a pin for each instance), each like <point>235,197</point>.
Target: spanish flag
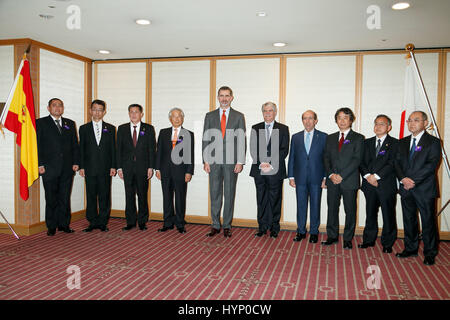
<point>18,116</point>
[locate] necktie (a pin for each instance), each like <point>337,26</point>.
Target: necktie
<point>223,123</point>
<point>175,138</point>
<point>134,136</point>
<point>378,147</point>
<point>267,133</point>
<point>308,142</point>
<point>58,125</point>
<point>413,148</point>
<point>341,141</point>
<point>97,133</point>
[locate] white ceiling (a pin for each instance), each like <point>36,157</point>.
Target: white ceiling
<point>226,27</point>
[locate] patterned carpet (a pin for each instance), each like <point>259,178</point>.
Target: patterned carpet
<point>141,265</point>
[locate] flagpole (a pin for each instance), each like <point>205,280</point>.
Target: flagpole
<point>12,230</point>
<point>410,48</point>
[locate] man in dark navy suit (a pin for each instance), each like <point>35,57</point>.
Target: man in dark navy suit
<point>59,159</point>
<point>269,143</point>
<point>136,151</point>
<point>342,158</point>
<point>306,174</point>
<point>175,167</point>
<point>379,185</point>
<point>98,165</point>
<point>416,165</point>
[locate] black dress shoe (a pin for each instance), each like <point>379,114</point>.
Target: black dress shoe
<point>429,260</point>
<point>89,229</point>
<point>348,245</point>
<point>387,249</point>
<point>213,232</point>
<point>313,238</point>
<point>51,232</point>
<point>329,241</point>
<point>259,234</point>
<point>67,230</point>
<point>128,227</point>
<point>365,245</point>
<point>299,237</point>
<point>181,230</point>
<point>406,254</point>
<point>164,229</point>
<point>227,233</point>
<point>273,234</point>
<point>142,227</point>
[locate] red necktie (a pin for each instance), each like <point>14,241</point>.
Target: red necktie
<point>341,141</point>
<point>134,137</point>
<point>175,138</point>
<point>223,123</point>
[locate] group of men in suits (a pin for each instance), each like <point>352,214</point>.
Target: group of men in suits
<point>316,161</point>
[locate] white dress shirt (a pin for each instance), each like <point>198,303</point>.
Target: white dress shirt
<point>381,143</point>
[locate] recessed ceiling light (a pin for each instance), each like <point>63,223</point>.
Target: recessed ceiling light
<point>400,5</point>
<point>143,22</point>
<point>46,16</point>
<point>104,51</point>
<point>279,44</point>
<point>261,14</point>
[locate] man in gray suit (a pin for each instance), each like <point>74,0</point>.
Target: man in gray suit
<point>224,147</point>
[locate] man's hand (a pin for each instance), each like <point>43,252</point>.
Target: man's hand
<point>324,185</point>
<point>292,183</point>
<point>120,173</point>
<point>81,173</point>
<point>158,174</point>
<point>112,172</point>
<point>149,173</point>
<point>187,177</point>
<point>408,183</point>
<point>75,167</point>
<point>238,168</point>
<point>335,178</point>
<point>206,168</point>
<point>41,170</point>
<point>372,180</point>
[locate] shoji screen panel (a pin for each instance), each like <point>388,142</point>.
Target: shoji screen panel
<point>382,93</point>
<point>119,85</point>
<point>7,142</point>
<point>63,77</point>
<point>182,84</point>
<point>323,84</point>
<point>445,134</point>
<point>254,81</point>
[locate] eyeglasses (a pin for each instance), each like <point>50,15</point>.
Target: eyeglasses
<point>414,120</point>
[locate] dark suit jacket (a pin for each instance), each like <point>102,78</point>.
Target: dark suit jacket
<point>301,165</point>
<point>258,155</point>
<point>164,161</point>
<point>346,162</point>
<point>144,153</point>
<point>422,169</point>
<point>383,165</point>
<point>97,159</point>
<point>236,121</point>
<point>57,152</point>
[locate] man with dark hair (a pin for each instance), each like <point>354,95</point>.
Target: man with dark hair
<point>379,185</point>
<point>98,165</point>
<point>59,159</point>
<point>342,158</point>
<point>136,151</point>
<point>416,163</point>
<point>224,148</point>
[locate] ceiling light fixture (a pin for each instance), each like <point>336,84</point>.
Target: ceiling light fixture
<point>46,16</point>
<point>279,44</point>
<point>104,51</point>
<point>261,14</point>
<point>400,6</point>
<point>143,22</point>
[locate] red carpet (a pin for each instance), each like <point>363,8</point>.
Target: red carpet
<point>151,265</point>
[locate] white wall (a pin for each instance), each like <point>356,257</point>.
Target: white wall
<point>63,77</point>
<point>445,188</point>
<point>6,142</point>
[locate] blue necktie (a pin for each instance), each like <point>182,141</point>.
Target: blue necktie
<point>308,142</point>
<point>267,133</point>
<point>413,148</point>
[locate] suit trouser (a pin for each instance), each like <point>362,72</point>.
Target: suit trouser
<point>410,203</point>
<point>222,184</point>
<point>174,214</point>
<point>375,200</point>
<point>57,201</point>
<point>334,194</point>
<point>136,184</point>
<point>268,199</point>
<point>98,198</point>
<point>314,192</point>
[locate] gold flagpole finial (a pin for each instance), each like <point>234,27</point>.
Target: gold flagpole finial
<point>410,48</point>
<point>27,51</point>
